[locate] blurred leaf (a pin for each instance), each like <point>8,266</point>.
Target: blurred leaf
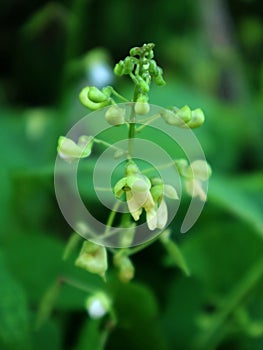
<point>184,301</point>
<point>72,244</point>
<point>14,318</point>
<point>138,325</point>
<point>215,331</point>
<point>49,336</point>
<point>47,304</point>
<point>226,193</point>
<point>90,336</point>
<point>33,255</point>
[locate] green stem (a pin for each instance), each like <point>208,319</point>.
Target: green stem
<point>106,144</point>
<point>147,122</point>
<point>119,96</point>
<point>137,249</point>
<point>111,218</point>
<point>160,167</point>
<point>132,124</point>
<point>77,284</point>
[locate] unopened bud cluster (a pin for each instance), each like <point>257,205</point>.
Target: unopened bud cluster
<point>142,68</point>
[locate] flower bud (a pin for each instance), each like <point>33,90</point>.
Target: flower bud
<point>169,117</point>
<point>115,115</point>
<point>93,258</point>
<point>131,169</point>
<point>141,106</point>
<point>158,77</point>
<point>95,95</point>
<point>135,51</point>
<point>119,68</point>
<point>184,114</point>
<point>98,305</point>
<point>157,192</point>
<point>150,54</point>
<point>197,119</point>
<point>125,267</point>
<point>153,68</point>
<point>87,102</point>
<point>128,65</point>
<point>107,90</point>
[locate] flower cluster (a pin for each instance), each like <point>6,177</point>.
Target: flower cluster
<point>143,194</point>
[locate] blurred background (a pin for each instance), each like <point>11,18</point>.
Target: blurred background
<point>211,52</point>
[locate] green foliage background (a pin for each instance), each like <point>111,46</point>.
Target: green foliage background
<point>211,52</point>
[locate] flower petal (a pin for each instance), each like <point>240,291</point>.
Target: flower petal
<point>134,208</point>
<point>201,169</point>
<point>194,189</point>
<point>162,215</point>
<point>151,217</point>
<point>68,149</point>
<point>118,188</point>
<point>170,192</point>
